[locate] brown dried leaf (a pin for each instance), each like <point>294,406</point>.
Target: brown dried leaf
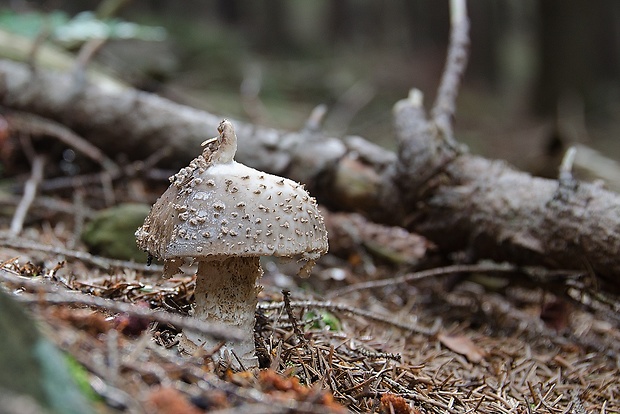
<point>93,322</point>
<point>462,345</point>
<point>289,388</point>
<point>394,404</point>
<point>167,400</point>
<point>349,232</point>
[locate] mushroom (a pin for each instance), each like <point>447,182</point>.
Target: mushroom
<point>222,216</point>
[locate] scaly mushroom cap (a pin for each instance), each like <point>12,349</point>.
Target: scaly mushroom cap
<point>217,206</point>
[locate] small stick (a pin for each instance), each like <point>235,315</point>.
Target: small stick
<point>286,295</point>
<point>144,167</point>
<point>78,218</point>
<point>47,203</point>
<point>537,274</point>
<point>108,189</point>
<point>249,89</point>
<point>42,36</point>
<point>30,191</point>
<point>102,262</point>
<point>414,395</point>
<point>445,103</point>
<point>567,184</point>
<point>378,355</point>
<point>86,54</point>
<point>340,307</point>
<point>37,125</point>
<point>88,50</point>
<point>315,120</point>
<point>423,274</point>
<point>53,294</point>
<point>113,357</point>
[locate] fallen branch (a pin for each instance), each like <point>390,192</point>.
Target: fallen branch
<point>25,123</point>
<point>536,275</point>
<point>47,293</point>
<point>432,186</point>
<point>456,62</point>
<point>134,123</point>
<point>341,307</point>
<point>30,191</point>
<point>99,261</point>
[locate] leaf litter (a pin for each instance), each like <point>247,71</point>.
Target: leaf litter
<point>432,345</point>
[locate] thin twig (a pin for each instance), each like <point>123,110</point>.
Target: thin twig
<point>340,307</point>
<point>138,167</point>
<point>379,355</point>
<point>286,295</point>
<point>254,398</point>
<point>37,126</point>
<point>50,204</point>
<point>38,42</point>
<point>78,218</point>
<point>410,277</point>
<point>567,184</point>
<point>113,360</point>
<point>48,293</point>
<point>445,103</point>
<point>408,393</point>
<point>539,275</point>
<point>86,54</point>
<point>108,189</point>
<point>102,262</point>
<point>316,118</point>
<point>30,191</point>
<point>276,407</point>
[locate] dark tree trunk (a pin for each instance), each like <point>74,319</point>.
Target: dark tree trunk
<point>578,49</point>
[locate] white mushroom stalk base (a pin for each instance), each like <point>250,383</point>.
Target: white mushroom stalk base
<point>226,294</point>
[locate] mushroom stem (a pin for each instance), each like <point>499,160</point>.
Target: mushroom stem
<point>226,294</point>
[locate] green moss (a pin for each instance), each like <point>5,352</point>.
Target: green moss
<point>327,319</point>
<point>111,232</point>
<point>80,376</point>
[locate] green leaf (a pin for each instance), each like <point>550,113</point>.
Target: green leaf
<point>327,319</point>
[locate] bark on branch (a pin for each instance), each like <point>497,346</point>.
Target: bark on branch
<point>458,200</point>
<point>352,173</point>
<point>492,210</point>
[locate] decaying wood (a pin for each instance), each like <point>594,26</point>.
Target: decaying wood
<point>493,210</point>
<point>431,186</point>
<point>351,173</point>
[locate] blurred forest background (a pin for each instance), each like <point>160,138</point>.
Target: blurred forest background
<point>543,74</point>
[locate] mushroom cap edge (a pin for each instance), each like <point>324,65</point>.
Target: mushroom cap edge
<point>232,209</point>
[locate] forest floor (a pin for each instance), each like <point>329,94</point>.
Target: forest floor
<point>447,343</point>
<point>342,340</point>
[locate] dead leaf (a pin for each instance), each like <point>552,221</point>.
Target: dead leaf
<point>394,404</point>
<point>167,400</point>
<point>462,345</point>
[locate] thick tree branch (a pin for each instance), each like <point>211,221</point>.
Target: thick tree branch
<point>458,200</point>
<point>122,120</point>
<point>495,211</point>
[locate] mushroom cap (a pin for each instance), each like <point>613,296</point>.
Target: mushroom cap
<point>229,209</point>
